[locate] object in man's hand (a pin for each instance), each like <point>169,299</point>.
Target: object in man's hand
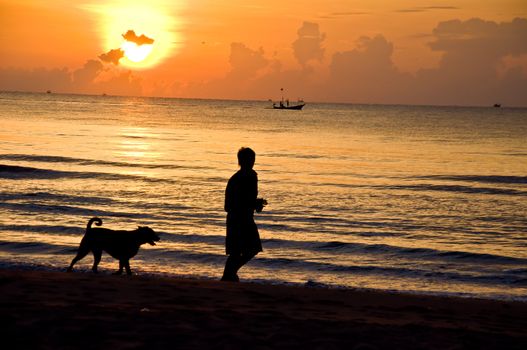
<point>260,204</point>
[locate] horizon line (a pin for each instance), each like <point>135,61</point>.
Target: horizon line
<point>48,92</point>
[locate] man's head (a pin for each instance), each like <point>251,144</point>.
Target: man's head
<point>246,158</point>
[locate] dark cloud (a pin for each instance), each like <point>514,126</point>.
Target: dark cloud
<point>427,8</point>
<point>350,13</point>
<point>112,56</point>
<point>335,15</point>
<point>308,45</point>
<point>139,40</point>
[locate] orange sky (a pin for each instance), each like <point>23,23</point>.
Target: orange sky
<point>381,51</point>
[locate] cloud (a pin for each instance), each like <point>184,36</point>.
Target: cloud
<point>335,15</point>
<point>366,74</point>
<point>112,56</point>
<point>115,55</point>
<point>41,79</point>
<point>482,63</point>
<point>253,75</point>
<point>84,77</point>
<point>308,45</point>
<point>468,73</point>
<point>479,36</point>
<point>427,8</point>
<point>92,78</point>
<point>139,40</point>
<point>471,71</point>
<point>473,52</point>
<point>474,49</point>
<point>349,13</point>
<point>121,82</point>
<point>246,62</point>
<point>245,66</point>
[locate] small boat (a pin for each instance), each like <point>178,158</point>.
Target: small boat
<point>497,105</point>
<point>285,104</point>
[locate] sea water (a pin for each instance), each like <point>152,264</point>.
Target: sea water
<point>403,198</point>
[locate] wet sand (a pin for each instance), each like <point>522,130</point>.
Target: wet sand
<point>54,310</point>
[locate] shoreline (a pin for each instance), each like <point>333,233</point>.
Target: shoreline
<point>10,265</point>
<point>57,310</point>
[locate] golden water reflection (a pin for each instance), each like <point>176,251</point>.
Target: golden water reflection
<point>137,145</point>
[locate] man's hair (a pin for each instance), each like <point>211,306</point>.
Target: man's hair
<point>246,156</point>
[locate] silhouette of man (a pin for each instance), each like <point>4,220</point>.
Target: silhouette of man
<point>243,241</point>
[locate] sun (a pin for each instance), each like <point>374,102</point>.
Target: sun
<point>136,53</point>
<point>156,20</point>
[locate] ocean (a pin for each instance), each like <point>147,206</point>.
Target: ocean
<point>419,199</point>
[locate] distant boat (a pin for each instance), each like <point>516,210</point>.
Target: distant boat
<point>285,104</point>
<point>48,92</point>
<point>497,105</point>
<point>281,105</point>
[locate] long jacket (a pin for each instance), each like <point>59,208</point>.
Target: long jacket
<point>240,203</point>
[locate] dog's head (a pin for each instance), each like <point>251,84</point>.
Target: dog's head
<point>147,235</point>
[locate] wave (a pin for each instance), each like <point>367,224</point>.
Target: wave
<point>384,251</point>
<point>52,229</point>
<point>510,278</point>
<point>421,253</point>
<point>47,199</point>
<point>71,210</point>
<point>81,161</point>
<point>57,197</point>
<point>36,248</point>
<point>293,155</point>
<point>499,179</point>
<point>458,189</point>
<point>14,172</point>
<point>167,257</point>
<point>22,172</point>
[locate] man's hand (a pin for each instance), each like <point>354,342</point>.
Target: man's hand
<point>260,204</point>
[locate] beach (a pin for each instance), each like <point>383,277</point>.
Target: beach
<point>57,310</point>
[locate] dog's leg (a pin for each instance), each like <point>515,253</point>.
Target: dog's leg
<point>81,253</point>
<point>120,271</point>
<point>97,254</point>
<point>127,266</point>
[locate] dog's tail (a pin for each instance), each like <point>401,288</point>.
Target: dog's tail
<point>97,221</point>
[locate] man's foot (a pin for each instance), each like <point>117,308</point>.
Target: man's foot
<point>234,278</point>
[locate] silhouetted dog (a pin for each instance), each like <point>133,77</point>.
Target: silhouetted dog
<point>122,245</point>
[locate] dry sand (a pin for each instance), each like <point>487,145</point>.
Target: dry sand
<point>54,310</point>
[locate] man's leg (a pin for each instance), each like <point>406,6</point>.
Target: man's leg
<point>231,267</point>
<point>244,259</point>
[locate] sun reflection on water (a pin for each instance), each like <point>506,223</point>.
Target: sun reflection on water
<point>137,145</point>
